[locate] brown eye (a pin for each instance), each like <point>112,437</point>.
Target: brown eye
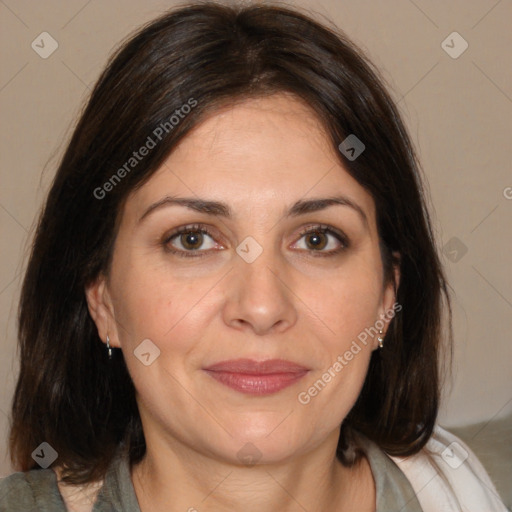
<point>191,240</point>
<point>322,240</point>
<point>316,240</point>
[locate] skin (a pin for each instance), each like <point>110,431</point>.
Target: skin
<point>259,157</point>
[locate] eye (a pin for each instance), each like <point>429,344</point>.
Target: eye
<point>322,239</point>
<point>197,241</point>
<point>189,239</point>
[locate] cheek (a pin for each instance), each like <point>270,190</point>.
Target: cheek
<point>168,310</point>
<point>349,306</point>
<point>349,302</point>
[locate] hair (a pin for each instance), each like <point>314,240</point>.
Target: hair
<point>208,56</point>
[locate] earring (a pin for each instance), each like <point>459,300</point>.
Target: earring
<point>380,339</point>
<point>109,348</point>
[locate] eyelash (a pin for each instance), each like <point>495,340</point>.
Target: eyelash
<point>199,228</point>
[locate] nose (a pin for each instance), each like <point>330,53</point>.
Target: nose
<point>259,298</point>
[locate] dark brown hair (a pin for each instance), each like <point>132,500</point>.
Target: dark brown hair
<point>68,392</point>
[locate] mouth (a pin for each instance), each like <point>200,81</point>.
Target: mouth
<point>257,378</point>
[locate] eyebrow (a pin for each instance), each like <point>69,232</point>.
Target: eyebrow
<point>221,209</point>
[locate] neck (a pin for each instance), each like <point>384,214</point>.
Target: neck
<point>174,477</point>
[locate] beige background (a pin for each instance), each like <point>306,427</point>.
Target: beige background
<point>459,112</point>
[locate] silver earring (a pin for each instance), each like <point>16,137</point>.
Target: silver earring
<point>109,348</point>
<point>380,339</point>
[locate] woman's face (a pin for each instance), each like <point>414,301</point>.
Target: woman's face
<point>254,287</point>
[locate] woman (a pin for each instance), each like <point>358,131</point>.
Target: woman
<point>234,300</point>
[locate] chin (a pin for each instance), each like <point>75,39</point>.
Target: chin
<point>262,443</point>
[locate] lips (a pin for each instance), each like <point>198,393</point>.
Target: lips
<point>251,367</point>
<point>257,377</point>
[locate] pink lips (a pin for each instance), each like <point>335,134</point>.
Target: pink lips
<point>257,378</point>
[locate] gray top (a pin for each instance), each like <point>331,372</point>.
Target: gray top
<point>37,490</point>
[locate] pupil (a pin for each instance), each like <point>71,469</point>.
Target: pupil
<point>192,240</point>
<point>315,240</point>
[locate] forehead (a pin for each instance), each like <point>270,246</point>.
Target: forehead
<point>257,156</point>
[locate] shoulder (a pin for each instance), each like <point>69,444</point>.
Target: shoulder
<point>16,493</point>
<point>34,490</point>
<point>447,475</point>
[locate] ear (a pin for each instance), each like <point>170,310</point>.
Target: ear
<point>101,310</point>
<point>389,307</point>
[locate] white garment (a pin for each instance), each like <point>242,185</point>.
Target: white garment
<point>447,477</point>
